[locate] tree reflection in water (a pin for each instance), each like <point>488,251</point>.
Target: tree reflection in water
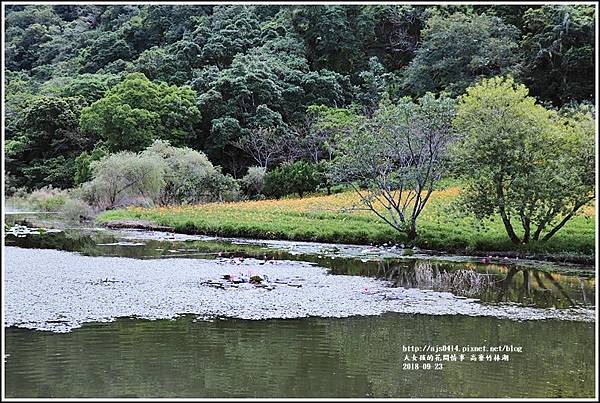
<point>492,283</point>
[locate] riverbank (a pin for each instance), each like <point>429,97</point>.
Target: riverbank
<point>340,218</point>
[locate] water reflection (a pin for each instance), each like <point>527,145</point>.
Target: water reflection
<point>491,283</point>
<point>315,357</point>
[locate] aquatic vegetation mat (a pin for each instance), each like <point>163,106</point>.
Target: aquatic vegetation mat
<point>58,291</point>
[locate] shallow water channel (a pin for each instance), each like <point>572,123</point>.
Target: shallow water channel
<point>129,313</point>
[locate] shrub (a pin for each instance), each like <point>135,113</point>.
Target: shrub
<point>275,184</point>
<point>46,199</point>
<point>66,202</point>
<point>254,180</point>
<point>189,177</point>
<point>221,187</point>
<point>76,210</point>
<point>125,178</point>
<point>298,177</point>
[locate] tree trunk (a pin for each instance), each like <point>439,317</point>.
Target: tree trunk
<point>509,229</point>
<point>526,227</point>
<point>411,234</point>
<point>558,226</point>
<point>538,231</point>
<point>564,221</point>
<point>505,220</point>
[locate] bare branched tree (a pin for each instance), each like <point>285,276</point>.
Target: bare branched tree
<point>395,158</point>
<point>270,145</point>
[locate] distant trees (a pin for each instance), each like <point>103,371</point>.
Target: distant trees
<point>83,164</point>
<point>529,165</point>
<point>105,49</point>
<point>88,87</point>
<point>29,31</point>
<point>260,90</point>
<point>398,32</point>
<point>136,111</point>
<point>231,79</point>
<point>458,49</point>
<point>395,158</point>
<point>326,126</point>
<point>558,52</point>
<point>372,86</point>
<point>47,142</point>
<point>270,145</point>
<point>233,30</point>
<point>336,37</point>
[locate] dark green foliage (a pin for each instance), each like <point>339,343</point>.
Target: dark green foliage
<point>83,169</point>
<point>106,49</point>
<point>89,87</point>
<point>342,38</point>
<point>234,30</point>
<point>161,24</point>
<point>56,171</point>
<point>260,90</point>
<point>558,53</point>
<point>275,184</point>
<point>398,32</point>
<point>373,84</point>
<point>263,66</point>
<point>299,177</point>
<point>459,49</point>
<point>27,32</point>
<point>47,141</point>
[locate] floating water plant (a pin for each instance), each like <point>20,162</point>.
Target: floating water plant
<point>21,231</point>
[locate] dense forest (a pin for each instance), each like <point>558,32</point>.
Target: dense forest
<point>86,80</point>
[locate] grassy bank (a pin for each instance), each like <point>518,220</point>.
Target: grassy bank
<point>333,219</point>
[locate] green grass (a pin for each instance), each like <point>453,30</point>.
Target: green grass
<point>328,219</point>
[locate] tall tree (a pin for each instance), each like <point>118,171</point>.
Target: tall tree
<point>336,37</point>
<point>522,162</point>
<point>137,111</point>
<point>47,143</point>
<point>395,158</point>
<point>558,53</point>
<point>459,49</point>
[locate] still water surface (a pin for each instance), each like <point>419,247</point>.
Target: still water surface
<point>350,357</point>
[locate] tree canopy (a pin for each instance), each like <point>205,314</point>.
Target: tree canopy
<point>523,161</point>
<point>137,111</point>
<point>207,77</point>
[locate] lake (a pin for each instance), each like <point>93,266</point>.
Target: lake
<point>98,313</point>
